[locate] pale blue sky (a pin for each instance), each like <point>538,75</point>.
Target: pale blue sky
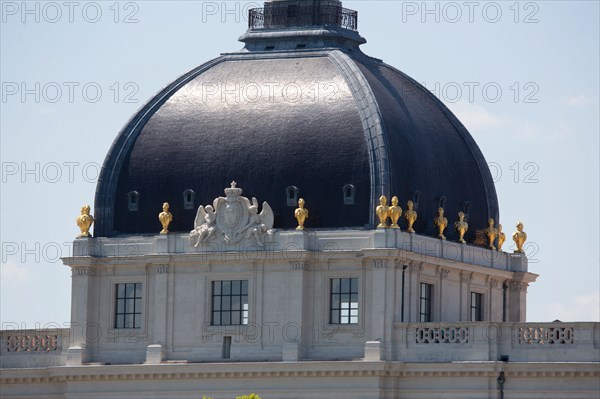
<point>551,130</point>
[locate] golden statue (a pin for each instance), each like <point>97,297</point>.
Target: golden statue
<point>165,218</point>
<point>395,212</point>
<point>461,226</point>
<point>84,221</point>
<point>301,214</point>
<point>519,237</point>
<point>491,232</point>
<point>501,237</point>
<point>383,212</point>
<point>411,216</point>
<point>441,223</point>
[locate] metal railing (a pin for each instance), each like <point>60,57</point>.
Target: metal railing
<point>288,16</point>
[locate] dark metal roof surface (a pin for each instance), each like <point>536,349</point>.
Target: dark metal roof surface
<point>358,121</point>
<point>267,124</point>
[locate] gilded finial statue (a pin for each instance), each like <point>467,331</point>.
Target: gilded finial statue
<point>301,214</point>
<point>441,223</point>
<point>165,218</point>
<point>395,212</point>
<point>491,232</point>
<point>461,226</point>
<point>519,237</point>
<point>383,212</point>
<point>84,221</point>
<point>501,237</point>
<point>411,216</point>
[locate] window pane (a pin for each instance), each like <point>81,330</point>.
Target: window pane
<point>235,317</point>
<point>335,302</point>
<point>345,300</point>
<point>129,306</point>
<point>335,316</point>
<point>225,318</point>
<point>335,285</point>
<point>345,285</point>
<point>226,288</point>
<point>236,287</point>
<point>120,290</point>
<point>354,285</point>
<point>231,305</point>
<point>120,306</point>
<point>129,290</point>
<point>129,321</point>
<point>235,304</point>
<point>226,303</point>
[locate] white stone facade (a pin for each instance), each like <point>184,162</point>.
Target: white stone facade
<point>289,347</point>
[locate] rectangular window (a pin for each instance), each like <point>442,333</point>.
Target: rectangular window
<point>476,306</point>
<point>343,308</point>
<point>128,305</point>
<point>425,302</point>
<point>229,303</point>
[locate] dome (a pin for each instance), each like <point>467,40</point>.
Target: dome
<point>299,112</point>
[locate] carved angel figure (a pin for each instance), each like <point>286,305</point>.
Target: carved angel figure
<point>204,225</point>
<point>261,223</point>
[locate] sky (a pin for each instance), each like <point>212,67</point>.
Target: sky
<point>523,77</point>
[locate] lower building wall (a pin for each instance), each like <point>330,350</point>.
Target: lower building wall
<point>308,380</point>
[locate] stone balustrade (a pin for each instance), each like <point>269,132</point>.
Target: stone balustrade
<point>515,342</point>
<point>33,348</point>
<point>412,343</point>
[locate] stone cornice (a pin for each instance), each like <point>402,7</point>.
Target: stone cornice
<point>294,370</point>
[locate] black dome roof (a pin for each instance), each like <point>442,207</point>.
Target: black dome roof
<point>321,117</point>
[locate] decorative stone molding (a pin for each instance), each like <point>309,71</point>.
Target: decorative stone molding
<point>85,271</point>
<point>415,268</point>
<point>494,282</point>
<point>439,335</point>
<point>465,277</point>
<point>379,263</point>
<point>297,265</point>
<point>443,273</point>
<point>161,269</point>
<point>544,335</point>
<point>518,286</point>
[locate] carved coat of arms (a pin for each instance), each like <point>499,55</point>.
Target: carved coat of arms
<point>232,219</point>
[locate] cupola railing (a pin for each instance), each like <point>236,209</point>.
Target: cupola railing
<point>275,17</point>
